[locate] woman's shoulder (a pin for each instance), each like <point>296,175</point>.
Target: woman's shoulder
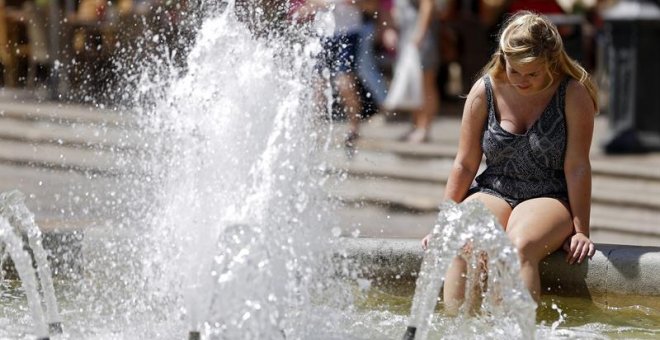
<point>580,109</point>
<point>577,95</point>
<point>485,85</point>
<point>477,97</point>
<point>575,86</point>
<point>478,87</point>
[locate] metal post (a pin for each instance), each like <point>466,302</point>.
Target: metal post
<point>632,30</point>
<point>54,46</point>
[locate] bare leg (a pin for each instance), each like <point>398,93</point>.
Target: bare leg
<point>431,101</point>
<point>423,117</point>
<point>455,278</point>
<point>537,228</point>
<point>321,100</point>
<point>346,84</point>
<point>454,288</point>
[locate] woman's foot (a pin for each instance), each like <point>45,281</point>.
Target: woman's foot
<point>404,137</point>
<point>350,142</point>
<point>351,139</point>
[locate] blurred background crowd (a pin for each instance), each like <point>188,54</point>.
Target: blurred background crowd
<point>372,41</point>
<point>75,49</point>
<point>69,49</point>
<point>454,39</point>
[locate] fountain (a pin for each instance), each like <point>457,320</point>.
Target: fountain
<point>223,229</point>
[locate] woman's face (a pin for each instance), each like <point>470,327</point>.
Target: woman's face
<point>528,78</point>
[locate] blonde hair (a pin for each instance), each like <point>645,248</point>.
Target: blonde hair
<point>527,37</point>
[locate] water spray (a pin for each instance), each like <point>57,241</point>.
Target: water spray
<point>429,281</point>
<point>13,208</point>
<point>472,223</point>
<point>23,264</point>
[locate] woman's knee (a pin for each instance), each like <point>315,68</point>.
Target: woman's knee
<point>528,250</point>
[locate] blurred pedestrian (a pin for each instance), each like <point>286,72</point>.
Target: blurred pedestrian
<point>419,28</point>
<point>376,45</point>
<point>338,60</point>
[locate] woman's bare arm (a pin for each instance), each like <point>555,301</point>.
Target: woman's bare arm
<point>468,158</point>
<point>580,113</point>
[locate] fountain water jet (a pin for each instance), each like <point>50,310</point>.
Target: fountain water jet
<point>13,208</point>
<point>16,220</point>
<point>240,199</point>
<point>505,302</point>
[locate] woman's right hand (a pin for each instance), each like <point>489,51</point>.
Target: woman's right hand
<point>578,247</point>
<point>425,241</point>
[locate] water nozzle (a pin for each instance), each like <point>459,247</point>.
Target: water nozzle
<point>55,328</point>
<point>410,333</point>
<point>194,335</point>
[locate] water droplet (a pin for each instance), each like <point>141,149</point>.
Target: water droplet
<point>364,284</point>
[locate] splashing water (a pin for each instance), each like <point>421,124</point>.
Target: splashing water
<point>561,317</point>
<point>25,271</point>
<point>506,307</point>
<point>239,230</point>
<point>13,208</point>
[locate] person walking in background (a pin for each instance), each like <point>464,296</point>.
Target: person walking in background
<point>532,116</point>
<point>376,45</point>
<point>339,56</point>
<point>418,28</point>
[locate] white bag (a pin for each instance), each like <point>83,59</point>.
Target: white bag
<point>405,92</point>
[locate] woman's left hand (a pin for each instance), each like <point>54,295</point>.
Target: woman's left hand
<point>577,247</point>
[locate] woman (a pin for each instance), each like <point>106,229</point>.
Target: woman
<point>418,27</point>
<point>532,116</point>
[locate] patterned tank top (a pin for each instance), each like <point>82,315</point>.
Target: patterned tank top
<point>529,165</point>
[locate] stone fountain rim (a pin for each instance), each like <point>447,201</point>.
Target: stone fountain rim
<point>614,270</point>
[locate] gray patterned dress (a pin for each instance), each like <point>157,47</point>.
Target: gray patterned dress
<point>524,166</point>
